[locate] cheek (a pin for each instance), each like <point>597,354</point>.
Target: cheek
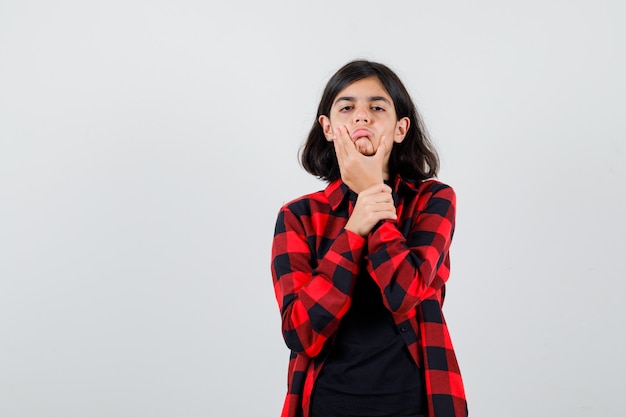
<point>338,119</point>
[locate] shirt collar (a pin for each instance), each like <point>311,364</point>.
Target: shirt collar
<point>337,192</point>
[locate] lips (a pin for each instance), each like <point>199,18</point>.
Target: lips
<point>360,133</point>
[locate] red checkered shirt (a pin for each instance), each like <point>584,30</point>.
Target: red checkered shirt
<point>315,264</point>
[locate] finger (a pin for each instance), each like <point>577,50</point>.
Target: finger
<point>348,155</point>
<point>376,202</point>
<point>377,188</point>
<point>382,148</point>
<point>384,206</point>
<point>341,150</point>
<point>336,145</point>
<point>340,141</point>
<point>384,212</point>
<point>347,141</point>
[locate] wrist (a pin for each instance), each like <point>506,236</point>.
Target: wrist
<point>352,228</point>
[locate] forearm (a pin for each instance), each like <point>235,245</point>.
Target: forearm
<point>314,298</point>
<point>406,275</point>
<point>411,268</point>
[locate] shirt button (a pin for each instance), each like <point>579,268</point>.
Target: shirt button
<point>404,329</point>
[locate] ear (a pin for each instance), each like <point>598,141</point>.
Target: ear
<point>402,127</point>
<point>327,128</point>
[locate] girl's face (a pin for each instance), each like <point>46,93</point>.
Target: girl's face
<point>368,112</point>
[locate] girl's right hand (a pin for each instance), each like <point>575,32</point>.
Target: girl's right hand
<point>372,205</point>
<point>358,171</point>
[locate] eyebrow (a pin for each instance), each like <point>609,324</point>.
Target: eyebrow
<point>373,98</point>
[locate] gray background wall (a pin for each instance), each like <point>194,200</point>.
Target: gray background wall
<point>146,146</point>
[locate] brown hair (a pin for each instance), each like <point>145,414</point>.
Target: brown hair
<point>415,158</point>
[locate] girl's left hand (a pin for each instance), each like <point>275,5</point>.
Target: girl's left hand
<point>372,205</point>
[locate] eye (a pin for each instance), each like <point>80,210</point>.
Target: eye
<point>377,108</point>
<point>345,108</point>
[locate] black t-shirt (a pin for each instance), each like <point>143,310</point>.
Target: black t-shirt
<point>368,372</point>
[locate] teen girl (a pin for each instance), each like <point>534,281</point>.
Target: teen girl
<point>359,269</point>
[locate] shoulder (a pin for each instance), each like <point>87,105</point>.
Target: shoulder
<point>430,196</point>
<point>303,205</point>
<point>429,187</point>
<point>297,213</point>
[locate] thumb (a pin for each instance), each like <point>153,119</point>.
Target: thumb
<point>382,148</point>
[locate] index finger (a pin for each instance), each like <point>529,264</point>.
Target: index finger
<point>343,141</point>
<point>377,188</point>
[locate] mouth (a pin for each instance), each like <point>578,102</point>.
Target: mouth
<point>361,133</point>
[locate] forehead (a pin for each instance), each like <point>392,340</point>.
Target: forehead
<point>364,89</point>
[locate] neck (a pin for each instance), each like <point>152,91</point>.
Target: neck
<point>386,172</point>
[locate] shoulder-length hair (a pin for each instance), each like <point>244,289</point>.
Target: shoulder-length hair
<point>415,158</point>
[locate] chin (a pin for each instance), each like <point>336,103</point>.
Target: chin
<point>368,151</point>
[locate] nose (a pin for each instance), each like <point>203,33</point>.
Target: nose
<point>361,115</point>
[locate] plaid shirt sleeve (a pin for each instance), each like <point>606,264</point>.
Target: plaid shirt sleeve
<point>313,295</point>
<point>412,269</point>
